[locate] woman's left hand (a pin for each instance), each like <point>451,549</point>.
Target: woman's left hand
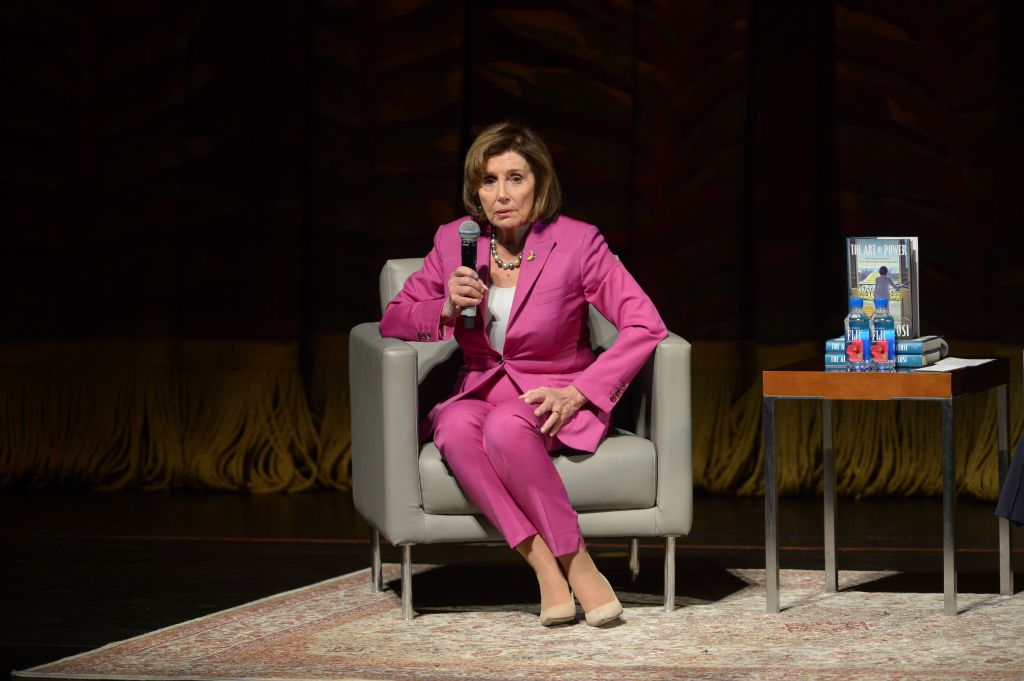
<point>562,403</point>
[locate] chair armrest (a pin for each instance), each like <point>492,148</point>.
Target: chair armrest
<point>671,430</point>
<point>385,444</point>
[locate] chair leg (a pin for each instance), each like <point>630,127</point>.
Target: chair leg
<point>376,578</point>
<point>634,558</point>
<point>670,574</point>
<point>407,611</point>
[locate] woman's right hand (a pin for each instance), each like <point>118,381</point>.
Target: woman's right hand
<point>464,290</point>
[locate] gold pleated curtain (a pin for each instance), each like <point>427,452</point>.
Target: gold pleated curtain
<point>232,415</point>
<point>225,415</point>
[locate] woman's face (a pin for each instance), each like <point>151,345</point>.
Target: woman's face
<point>506,192</point>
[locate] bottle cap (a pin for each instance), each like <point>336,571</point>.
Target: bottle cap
<point>856,301</point>
<point>882,302</point>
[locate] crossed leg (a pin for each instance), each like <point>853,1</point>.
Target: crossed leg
<point>459,435</point>
<point>502,462</point>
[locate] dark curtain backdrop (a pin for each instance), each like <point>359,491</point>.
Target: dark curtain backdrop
<point>176,172</point>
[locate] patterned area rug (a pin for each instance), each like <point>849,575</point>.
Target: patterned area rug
<point>339,630</point>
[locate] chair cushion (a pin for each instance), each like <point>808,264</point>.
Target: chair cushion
<point>621,474</point>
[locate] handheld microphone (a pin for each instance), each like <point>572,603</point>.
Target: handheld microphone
<point>469,232</point>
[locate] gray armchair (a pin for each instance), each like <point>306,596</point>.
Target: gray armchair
<point>638,483</point>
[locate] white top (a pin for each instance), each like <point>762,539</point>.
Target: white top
<point>499,306</point>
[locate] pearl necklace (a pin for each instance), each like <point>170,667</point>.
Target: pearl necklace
<point>501,263</point>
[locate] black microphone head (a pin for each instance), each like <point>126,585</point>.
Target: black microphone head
<point>469,230</point>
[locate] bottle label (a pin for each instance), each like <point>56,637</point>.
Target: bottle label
<point>856,342</point>
<point>883,345</point>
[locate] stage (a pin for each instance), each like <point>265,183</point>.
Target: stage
<point>84,569</point>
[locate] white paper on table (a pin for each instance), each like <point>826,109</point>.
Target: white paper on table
<point>951,363</point>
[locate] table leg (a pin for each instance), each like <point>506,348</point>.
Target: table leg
<point>948,510</point>
<point>771,508</point>
<point>829,471</point>
<point>1005,538</point>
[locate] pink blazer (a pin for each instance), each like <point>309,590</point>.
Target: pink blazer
<point>566,265</point>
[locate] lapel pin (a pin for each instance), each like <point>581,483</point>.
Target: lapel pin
<point>531,257</point>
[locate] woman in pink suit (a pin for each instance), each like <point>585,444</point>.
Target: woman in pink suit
<point>530,383</point>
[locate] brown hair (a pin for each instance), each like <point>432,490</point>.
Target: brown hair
<point>495,140</point>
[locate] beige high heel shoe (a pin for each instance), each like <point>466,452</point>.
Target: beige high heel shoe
<point>562,613</point>
<point>603,614</point>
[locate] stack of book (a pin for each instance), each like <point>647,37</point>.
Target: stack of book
<point>835,353</point>
<point>910,353</point>
<point>920,352</point>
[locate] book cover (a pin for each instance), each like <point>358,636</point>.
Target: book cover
<point>919,346</point>
<point>835,344</point>
<point>886,267</point>
<point>834,358</point>
<point>922,360</point>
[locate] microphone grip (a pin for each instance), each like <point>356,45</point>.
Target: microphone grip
<point>469,260</point>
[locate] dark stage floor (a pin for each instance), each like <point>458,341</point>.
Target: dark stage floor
<point>82,569</point>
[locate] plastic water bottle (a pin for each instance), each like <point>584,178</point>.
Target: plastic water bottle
<point>858,335</point>
<point>883,337</point>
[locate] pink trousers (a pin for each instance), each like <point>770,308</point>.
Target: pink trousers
<point>493,445</point>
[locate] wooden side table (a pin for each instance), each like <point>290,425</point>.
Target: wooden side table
<point>809,380</point>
